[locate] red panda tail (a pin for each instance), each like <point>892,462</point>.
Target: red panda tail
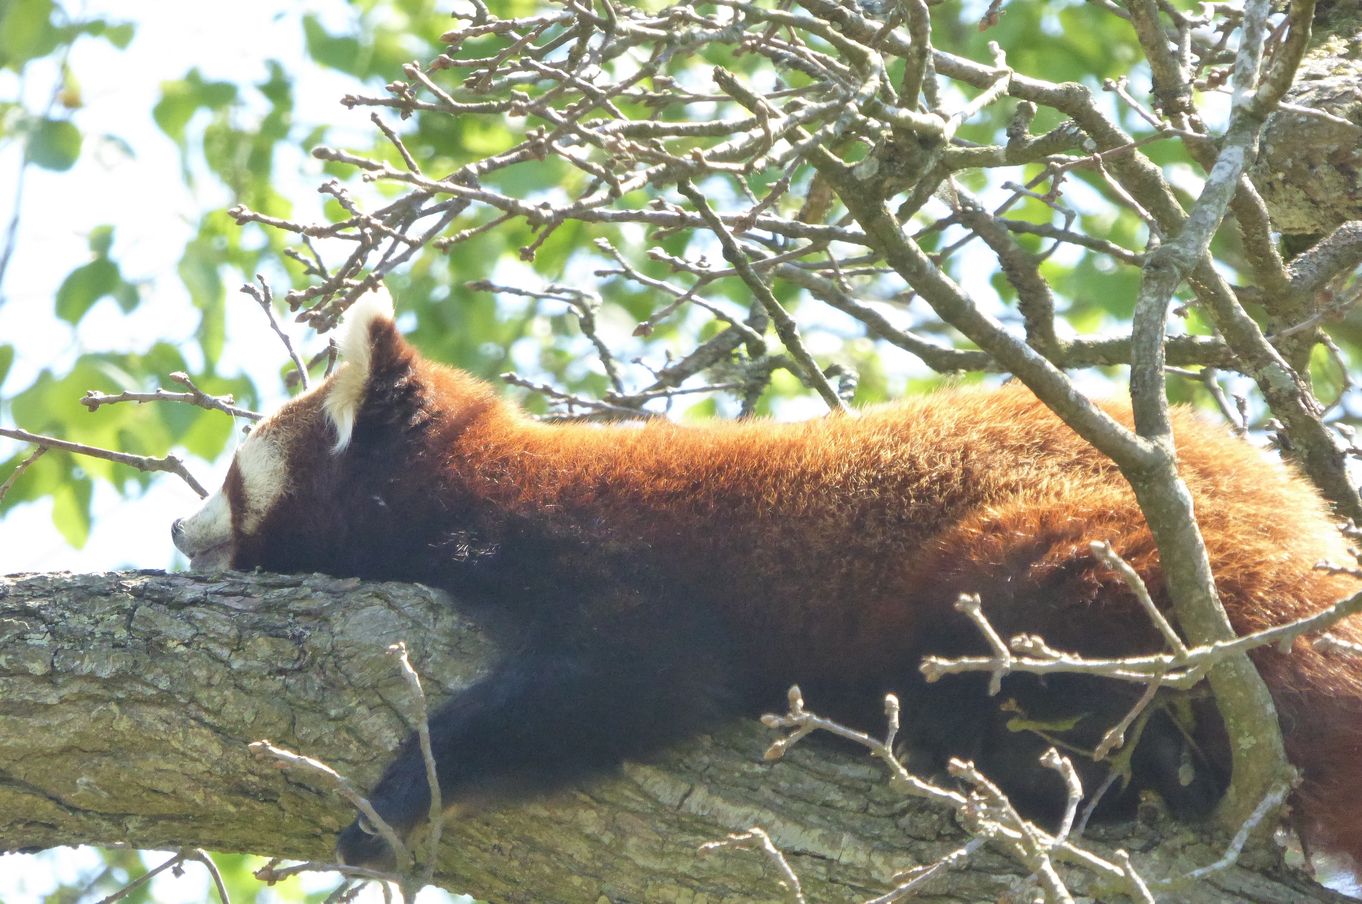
<point>1318,691</point>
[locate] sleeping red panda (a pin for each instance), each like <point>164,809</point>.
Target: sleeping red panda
<point>654,580</point>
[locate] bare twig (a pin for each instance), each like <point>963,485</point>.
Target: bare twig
<point>1112,559</point>
<point>910,881</point>
<point>339,783</point>
<point>271,872</point>
<point>201,856</point>
<point>983,809</point>
<point>169,464</point>
<point>784,324</point>
<point>19,469</point>
<point>1051,759</point>
<point>1174,670</point>
<point>421,718</point>
<point>174,864</point>
<point>93,400</point>
<point>757,838</point>
<point>265,298</point>
<point>1269,805</point>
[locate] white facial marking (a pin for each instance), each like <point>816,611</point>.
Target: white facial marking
<point>264,477</point>
<point>347,390</point>
<point>206,536</point>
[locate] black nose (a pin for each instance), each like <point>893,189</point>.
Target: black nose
<point>177,529</point>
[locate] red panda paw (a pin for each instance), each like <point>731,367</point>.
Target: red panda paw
<point>359,844</point>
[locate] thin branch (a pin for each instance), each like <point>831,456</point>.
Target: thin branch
<point>1112,559</point>
<point>342,785</point>
<point>1180,671</point>
<point>1114,738</point>
<point>1270,804</point>
<point>202,856</point>
<point>421,719</point>
<point>19,469</point>
<point>784,324</point>
<point>757,838</point>
<point>172,864</point>
<point>984,810</point>
<point>92,400</point>
<point>912,880</point>
<point>265,299</point>
<point>169,464</point>
<point>1052,759</point>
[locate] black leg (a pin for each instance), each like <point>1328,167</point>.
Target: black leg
<point>557,713</point>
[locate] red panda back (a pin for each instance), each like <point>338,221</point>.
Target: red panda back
<point>874,513</point>
<point>840,545</point>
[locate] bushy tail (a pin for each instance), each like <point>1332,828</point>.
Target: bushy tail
<point>1317,687</point>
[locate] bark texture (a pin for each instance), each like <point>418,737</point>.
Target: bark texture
<point>1309,169</point>
<point>127,702</point>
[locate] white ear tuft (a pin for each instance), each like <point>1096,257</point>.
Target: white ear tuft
<point>375,304</point>
<point>347,390</point>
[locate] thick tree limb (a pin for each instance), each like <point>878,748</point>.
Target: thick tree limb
<point>127,702</point>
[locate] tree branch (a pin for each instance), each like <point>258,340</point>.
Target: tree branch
<point>130,701</point>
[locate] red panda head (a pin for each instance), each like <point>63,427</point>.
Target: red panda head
<point>325,482</point>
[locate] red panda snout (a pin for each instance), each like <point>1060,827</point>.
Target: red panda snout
<point>206,536</point>
<point>257,480</point>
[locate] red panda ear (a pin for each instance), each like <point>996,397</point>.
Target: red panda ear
<point>370,345</point>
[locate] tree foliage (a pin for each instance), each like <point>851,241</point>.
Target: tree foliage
<point>736,207</point>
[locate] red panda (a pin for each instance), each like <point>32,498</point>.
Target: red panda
<point>654,580</point>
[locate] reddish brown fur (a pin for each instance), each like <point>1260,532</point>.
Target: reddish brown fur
<point>872,525</point>
<point>836,547</point>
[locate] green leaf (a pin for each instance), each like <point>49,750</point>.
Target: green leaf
<point>51,404</point>
<point>101,240</point>
<point>71,510</point>
<point>26,31</point>
<point>173,110</point>
<point>127,296</point>
<point>6,361</point>
<point>54,145</point>
<point>120,35</point>
<point>84,286</point>
<point>181,99</point>
<point>199,272</point>
<point>213,330</point>
<point>342,53</point>
<point>278,88</point>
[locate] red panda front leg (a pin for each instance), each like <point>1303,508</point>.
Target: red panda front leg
<point>567,708</point>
